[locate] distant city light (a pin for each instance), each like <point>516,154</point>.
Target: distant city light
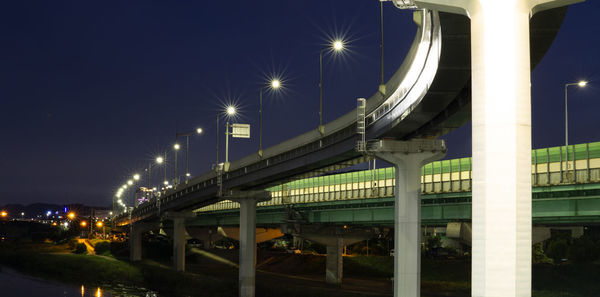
<point>71,215</point>
<point>3,214</point>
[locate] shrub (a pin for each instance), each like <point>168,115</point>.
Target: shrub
<point>102,247</point>
<point>80,248</point>
<point>538,255</point>
<point>557,250</point>
<point>583,250</point>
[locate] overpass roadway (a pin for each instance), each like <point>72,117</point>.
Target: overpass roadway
<point>428,96</point>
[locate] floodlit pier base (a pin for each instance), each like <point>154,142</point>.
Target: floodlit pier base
<point>135,244</point>
<point>408,157</point>
<point>179,238</point>
<point>247,261</point>
<point>136,233</point>
<point>179,244</point>
<point>247,276</point>
<point>334,239</point>
<point>501,113</point>
<point>334,264</point>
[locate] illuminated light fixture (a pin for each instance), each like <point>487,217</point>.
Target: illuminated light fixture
<point>136,176</point>
<point>130,182</point>
<point>188,174</point>
<point>582,83</point>
<point>83,223</point>
<point>159,160</point>
<point>230,110</point>
<point>275,84</point>
<point>337,45</point>
<point>99,224</point>
<point>166,182</point>
<point>71,215</point>
<point>3,214</point>
<point>176,146</point>
<point>198,130</point>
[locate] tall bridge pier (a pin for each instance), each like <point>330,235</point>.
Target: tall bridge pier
<point>408,158</point>
<point>501,117</point>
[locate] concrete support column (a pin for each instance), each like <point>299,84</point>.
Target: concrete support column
<point>408,158</point>
<point>501,113</point>
<point>334,263</point>
<point>135,243</point>
<point>179,244</point>
<point>247,273</point>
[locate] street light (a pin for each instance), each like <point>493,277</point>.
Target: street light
<point>71,215</point>
<point>581,84</point>
<point>230,113</point>
<point>176,148</point>
<point>337,46</point>
<point>187,150</point>
<point>273,85</point>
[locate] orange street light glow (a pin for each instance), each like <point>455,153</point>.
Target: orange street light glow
<point>3,214</point>
<point>71,215</point>
<point>99,224</point>
<point>83,223</point>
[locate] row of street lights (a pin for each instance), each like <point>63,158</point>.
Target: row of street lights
<point>230,111</point>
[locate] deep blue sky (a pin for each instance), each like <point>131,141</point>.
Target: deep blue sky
<point>91,91</point>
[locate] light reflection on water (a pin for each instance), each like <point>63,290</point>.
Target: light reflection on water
<point>16,284</point>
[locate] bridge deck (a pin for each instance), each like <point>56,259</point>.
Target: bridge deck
<point>440,180</point>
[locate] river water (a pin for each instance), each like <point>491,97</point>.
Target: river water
<point>13,283</point>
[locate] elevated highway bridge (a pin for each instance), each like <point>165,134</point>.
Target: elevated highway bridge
<point>448,71</point>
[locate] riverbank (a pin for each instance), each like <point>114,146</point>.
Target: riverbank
<point>283,275</point>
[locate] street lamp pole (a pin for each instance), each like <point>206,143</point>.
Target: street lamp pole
<point>260,120</point>
<point>275,84</point>
<point>580,84</point>
<point>227,143</point>
<point>230,113</point>
<point>382,85</point>
<point>175,176</point>
<point>321,128</point>
<point>217,143</point>
<point>187,150</point>
<point>336,45</point>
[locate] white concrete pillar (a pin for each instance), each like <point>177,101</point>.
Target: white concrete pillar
<point>179,244</point>
<point>135,243</point>
<point>334,263</point>
<point>408,158</point>
<point>247,273</point>
<point>501,114</point>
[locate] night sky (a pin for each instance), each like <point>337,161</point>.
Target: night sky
<point>92,91</point>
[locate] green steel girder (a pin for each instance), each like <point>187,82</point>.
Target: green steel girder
<point>567,204</point>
